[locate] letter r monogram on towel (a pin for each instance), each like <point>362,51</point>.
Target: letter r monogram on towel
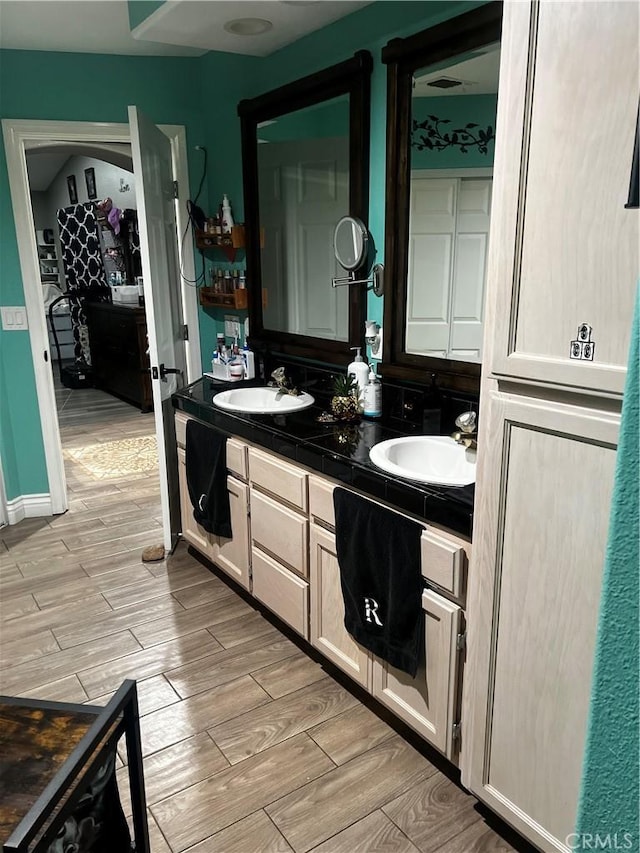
<point>371,611</point>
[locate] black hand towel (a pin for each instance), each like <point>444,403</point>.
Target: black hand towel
<point>379,557</point>
<point>206,459</point>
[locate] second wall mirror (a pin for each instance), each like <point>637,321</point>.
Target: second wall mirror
<point>305,155</point>
<point>442,100</point>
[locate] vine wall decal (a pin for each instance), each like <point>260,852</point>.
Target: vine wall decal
<point>430,135</point>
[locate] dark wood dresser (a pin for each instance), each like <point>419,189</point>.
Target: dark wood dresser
<point>118,342</point>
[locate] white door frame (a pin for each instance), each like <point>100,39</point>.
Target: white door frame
<point>19,136</point>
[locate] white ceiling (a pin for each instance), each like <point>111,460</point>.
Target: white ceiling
<point>178,28</point>
<point>200,23</point>
<point>478,74</point>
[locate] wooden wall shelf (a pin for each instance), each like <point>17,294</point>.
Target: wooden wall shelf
<point>227,243</point>
<point>209,298</point>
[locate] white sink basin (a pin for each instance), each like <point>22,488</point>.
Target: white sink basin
<point>436,459</point>
<point>261,401</point>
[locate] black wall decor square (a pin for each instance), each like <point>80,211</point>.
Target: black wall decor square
<point>73,190</point>
<point>90,180</point>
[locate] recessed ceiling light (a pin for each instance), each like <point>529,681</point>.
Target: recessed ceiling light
<point>248,26</point>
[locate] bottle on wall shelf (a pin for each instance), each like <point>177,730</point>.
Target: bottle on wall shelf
<point>227,216</point>
<point>373,396</point>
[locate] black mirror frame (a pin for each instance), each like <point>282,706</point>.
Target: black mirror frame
<point>352,77</point>
<point>403,57</point>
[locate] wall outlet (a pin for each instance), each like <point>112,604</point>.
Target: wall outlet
<point>232,326</point>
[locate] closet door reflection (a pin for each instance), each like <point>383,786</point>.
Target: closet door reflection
<point>448,239</point>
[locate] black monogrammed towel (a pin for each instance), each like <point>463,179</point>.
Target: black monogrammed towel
<point>206,463</point>
<point>379,557</point>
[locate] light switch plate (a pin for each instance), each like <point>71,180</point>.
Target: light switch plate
<point>14,318</point>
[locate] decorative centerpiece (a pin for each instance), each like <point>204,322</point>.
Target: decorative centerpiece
<point>345,403</point>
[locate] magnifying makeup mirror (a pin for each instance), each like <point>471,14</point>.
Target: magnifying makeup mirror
<point>351,248</point>
<point>350,242</point>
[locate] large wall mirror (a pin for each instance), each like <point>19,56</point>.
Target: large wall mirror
<point>305,149</point>
<point>442,99</point>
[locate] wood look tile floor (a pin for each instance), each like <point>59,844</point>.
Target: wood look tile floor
<point>251,745</point>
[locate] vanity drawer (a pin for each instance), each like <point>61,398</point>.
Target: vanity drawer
<point>280,531</point>
<point>271,474</point>
<point>321,501</point>
<point>282,591</point>
<point>237,458</point>
<point>181,429</point>
<point>236,450</point>
<point>443,562</point>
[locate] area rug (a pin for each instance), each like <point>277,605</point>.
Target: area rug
<point>117,458</point>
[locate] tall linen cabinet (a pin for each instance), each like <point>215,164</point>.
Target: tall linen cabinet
<point>563,267</point>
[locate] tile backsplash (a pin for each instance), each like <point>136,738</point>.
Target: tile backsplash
<point>407,406</point>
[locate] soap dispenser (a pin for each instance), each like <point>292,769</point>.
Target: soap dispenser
<point>359,370</point>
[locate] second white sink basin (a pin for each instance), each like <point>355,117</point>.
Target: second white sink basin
<point>436,459</point>
<point>261,401</point>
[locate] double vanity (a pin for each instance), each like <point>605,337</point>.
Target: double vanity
<point>282,470</point>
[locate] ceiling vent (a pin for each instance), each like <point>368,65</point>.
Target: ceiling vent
<point>445,83</point>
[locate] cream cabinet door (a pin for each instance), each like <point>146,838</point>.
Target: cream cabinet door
<point>428,702</point>
<point>328,633</point>
<point>532,610</point>
<point>564,252</point>
<point>191,530</point>
<point>232,555</point>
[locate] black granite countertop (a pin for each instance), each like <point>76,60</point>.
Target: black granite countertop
<point>337,451</point>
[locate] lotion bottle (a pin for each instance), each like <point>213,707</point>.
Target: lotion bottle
<point>373,397</point>
<point>359,370</point>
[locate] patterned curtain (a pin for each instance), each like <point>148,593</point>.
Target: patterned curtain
<point>83,267</point>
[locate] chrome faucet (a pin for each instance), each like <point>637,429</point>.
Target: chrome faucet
<point>282,383</point>
<point>467,431</point>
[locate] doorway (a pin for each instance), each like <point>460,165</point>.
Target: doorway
<point>20,136</point>
<point>83,202</point>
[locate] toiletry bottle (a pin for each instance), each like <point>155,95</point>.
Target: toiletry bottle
<point>373,397</point>
<point>227,216</point>
<point>243,280</point>
<point>220,341</point>
<point>359,370</point>
<point>249,361</point>
<point>228,286</point>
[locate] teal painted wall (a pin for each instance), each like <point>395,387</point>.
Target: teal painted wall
<point>139,10</point>
<point>611,777</point>
<point>21,448</point>
<point>317,122</point>
<point>458,110</point>
<point>226,80</point>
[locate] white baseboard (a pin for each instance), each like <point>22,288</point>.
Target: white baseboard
<point>28,506</point>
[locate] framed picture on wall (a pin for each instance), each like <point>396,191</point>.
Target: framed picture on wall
<point>73,192</point>
<point>90,179</point>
